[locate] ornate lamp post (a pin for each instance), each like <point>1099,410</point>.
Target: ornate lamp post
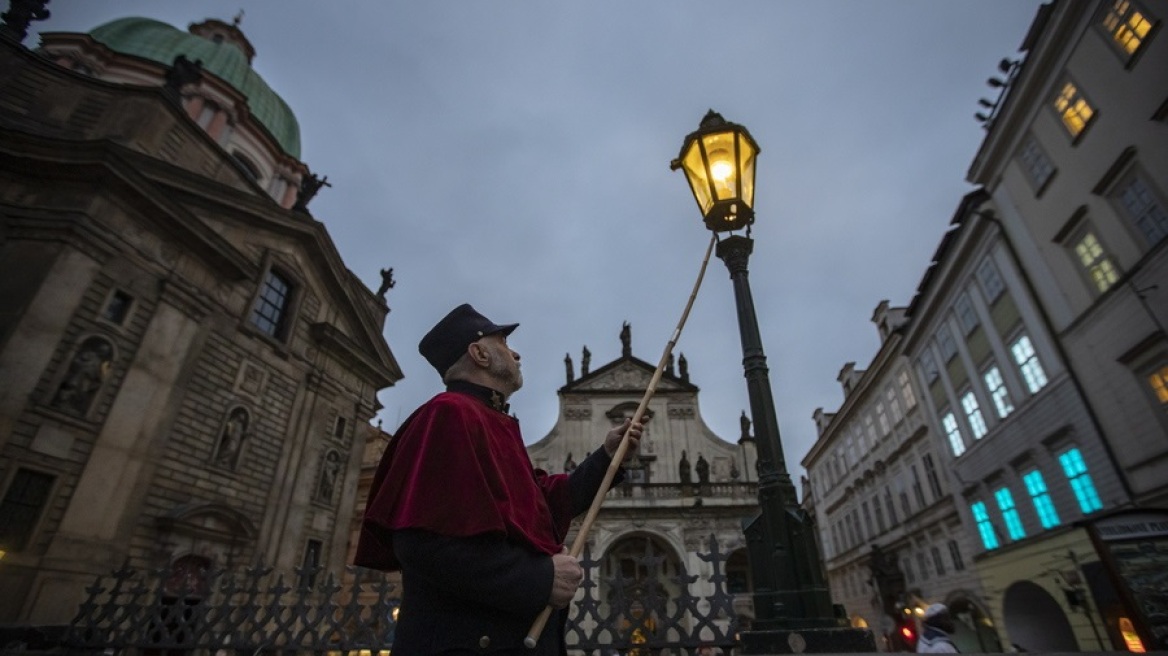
<point>792,605</point>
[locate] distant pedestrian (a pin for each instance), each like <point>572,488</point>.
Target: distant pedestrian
<point>937,636</point>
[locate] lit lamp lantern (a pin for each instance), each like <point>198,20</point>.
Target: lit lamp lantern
<point>718,159</point>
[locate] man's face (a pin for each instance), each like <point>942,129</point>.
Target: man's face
<point>503,363</point>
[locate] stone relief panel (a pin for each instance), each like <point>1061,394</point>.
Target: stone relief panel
<point>88,370</point>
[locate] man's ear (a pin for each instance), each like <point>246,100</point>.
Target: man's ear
<point>478,354</point>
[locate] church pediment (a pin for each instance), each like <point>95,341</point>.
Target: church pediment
<point>626,375</point>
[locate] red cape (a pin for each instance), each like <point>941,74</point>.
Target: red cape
<point>459,468</point>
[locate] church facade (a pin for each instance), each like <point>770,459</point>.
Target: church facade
<point>187,362</point>
<point>683,486</point>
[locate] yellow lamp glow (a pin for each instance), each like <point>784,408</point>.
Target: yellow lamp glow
<point>718,160</point>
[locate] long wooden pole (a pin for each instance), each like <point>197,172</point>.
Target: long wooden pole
<point>619,456</point>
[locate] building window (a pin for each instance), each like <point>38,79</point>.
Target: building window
<point>270,313</point>
<point>1073,109</point>
<point>956,442</point>
<point>908,571</point>
<point>310,566</point>
<point>931,475</point>
<point>117,307</point>
<point>21,508</point>
<point>870,429</point>
<point>879,515</point>
<point>245,164</point>
<point>998,392</point>
<point>893,404</point>
<point>973,415</point>
<point>1010,513</point>
<point>339,425</point>
<point>1142,207</point>
<point>905,504</point>
<point>985,528</point>
<point>867,518</point>
<point>1037,166</point>
<point>990,280</point>
<point>1096,263</point>
<point>1028,364</point>
<point>882,419</point>
<point>1043,505</point>
<point>929,366</point>
<point>890,507</point>
<point>1075,469</point>
<point>906,391</point>
<point>966,316</point>
<point>918,491</point>
<point>938,564</point>
<point>923,565</point>
<point>955,555</point>
<point>1158,382</point>
<point>945,342</point>
<point>1127,25</point>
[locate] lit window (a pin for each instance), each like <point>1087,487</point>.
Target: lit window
<point>1143,208</point>
<point>954,433</point>
<point>991,280</point>
<point>1158,381</point>
<point>998,392</point>
<point>1028,364</point>
<point>1095,262</point>
<point>965,314</point>
<point>1076,470</point>
<point>1127,25</point>
<point>910,399</point>
<point>984,527</point>
<point>1043,505</point>
<point>1036,164</point>
<point>973,414</point>
<point>1073,109</point>
<point>1010,513</point>
<point>23,502</point>
<point>272,304</point>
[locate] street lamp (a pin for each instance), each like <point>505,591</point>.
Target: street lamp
<point>792,605</point>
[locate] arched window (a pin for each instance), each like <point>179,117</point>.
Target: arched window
<point>87,372</point>
<point>247,165</point>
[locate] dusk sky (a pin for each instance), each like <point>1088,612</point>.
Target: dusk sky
<point>515,155</point>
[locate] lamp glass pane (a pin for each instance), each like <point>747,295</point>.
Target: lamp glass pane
<point>746,155</point>
<point>695,173</point>
<point>723,168</point>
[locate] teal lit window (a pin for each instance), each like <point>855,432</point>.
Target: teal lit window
<point>1076,470</point>
<point>1010,514</point>
<point>1043,505</point>
<point>982,516</point>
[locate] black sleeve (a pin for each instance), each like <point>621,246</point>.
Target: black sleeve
<point>483,569</point>
<point>585,480</point>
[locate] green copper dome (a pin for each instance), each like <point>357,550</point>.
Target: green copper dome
<point>157,41</point>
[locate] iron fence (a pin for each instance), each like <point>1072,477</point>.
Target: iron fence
<point>257,610</point>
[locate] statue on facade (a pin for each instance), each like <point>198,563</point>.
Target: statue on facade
<point>683,470</point>
<point>626,338</point>
<point>330,470</point>
<point>585,361</point>
<point>568,368</point>
<point>669,366</point>
<point>230,442</point>
<point>703,469</point>
<point>683,366</point>
<point>569,464</point>
<point>310,185</point>
<point>744,422</point>
<point>182,73</point>
<point>86,373</point>
<point>20,13</point>
<point>387,282</point>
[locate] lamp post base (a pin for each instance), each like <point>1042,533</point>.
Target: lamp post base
<point>842,640</point>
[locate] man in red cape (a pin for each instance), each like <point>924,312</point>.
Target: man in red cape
<point>457,507</point>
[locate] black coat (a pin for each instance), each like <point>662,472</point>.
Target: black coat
<point>479,595</point>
